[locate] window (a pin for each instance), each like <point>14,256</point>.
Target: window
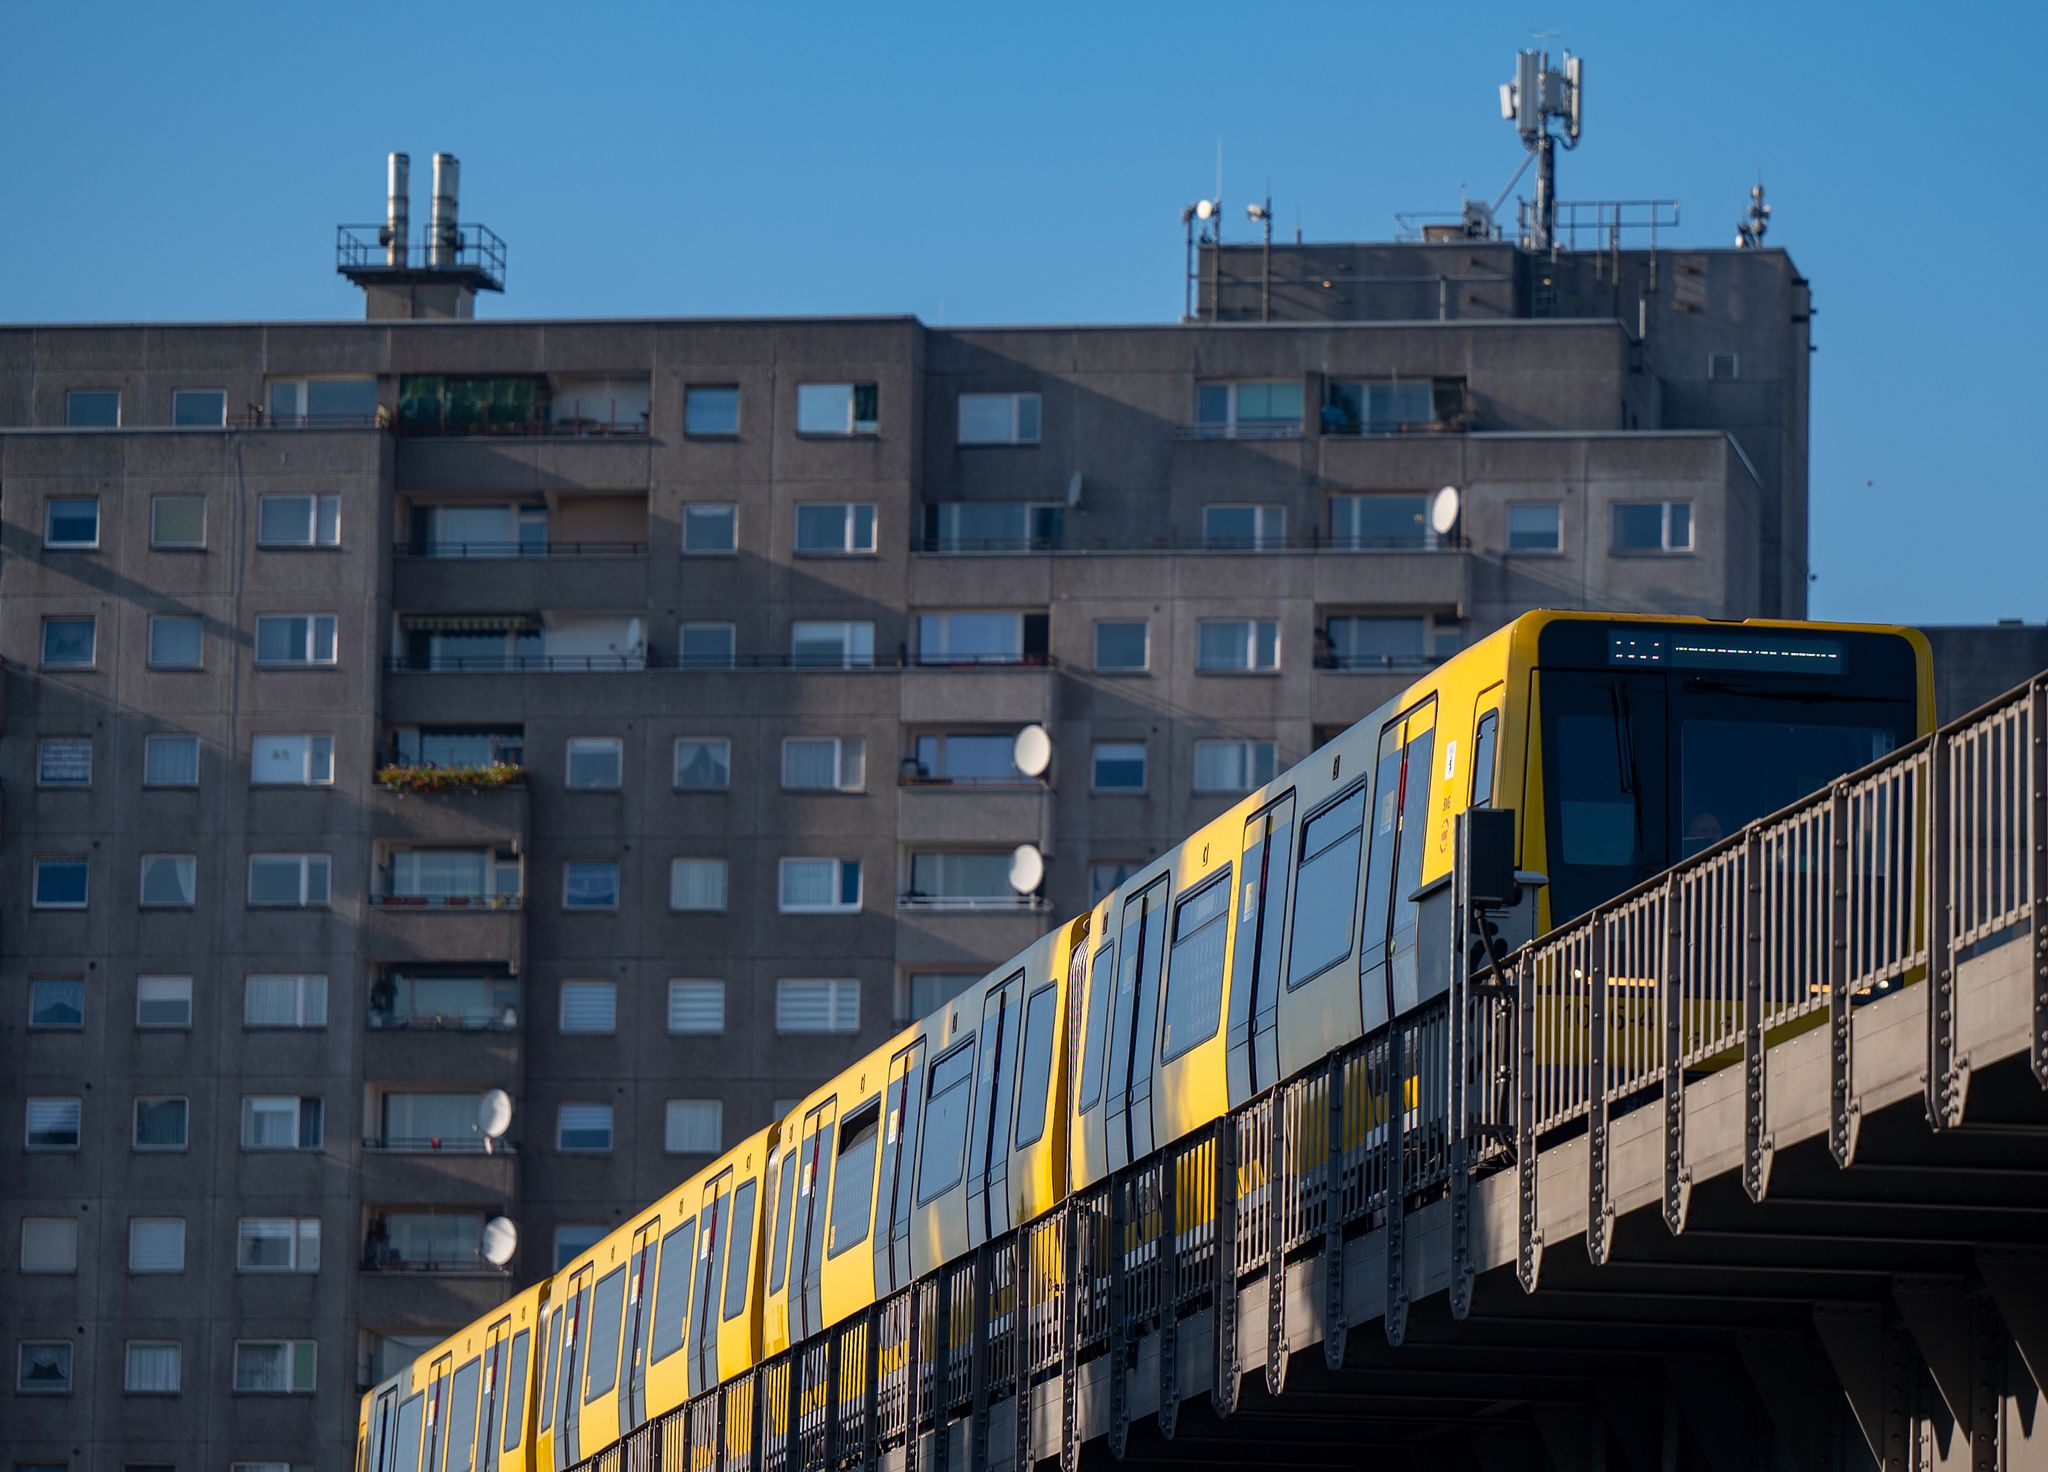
<point>817,1006</point>
<point>51,1123</point>
<point>584,1127</point>
<point>1535,526</point>
<point>572,1240</point>
<point>999,419</point>
<point>92,408</point>
<point>818,644</point>
<point>289,881</point>
<point>853,1178</point>
<point>711,409</point>
<point>71,523</point>
<point>1391,523</point>
<point>1121,646</point>
<point>298,521</point>
<point>170,761</point>
<point>671,1307</point>
<point>1034,1085</point>
<point>740,1258</point>
<point>942,1152</point>
<point>275,1366</point>
<point>1646,526</point>
<point>56,1003</point>
<point>839,527</point>
<point>992,526</point>
<point>451,877</point>
<point>459,746</point>
<point>1253,410</point>
<point>824,763</point>
<point>291,761</point>
<point>162,1123</point>
<point>590,1007</point>
<point>169,881</point>
<point>152,1367</point>
<point>1326,889</point>
<point>705,647</point>
<point>284,1001</point>
<point>70,643</point>
<point>1483,742</point>
<point>1194,970</point>
<point>815,886</point>
<point>64,761</point>
<point>696,1008</point>
<point>49,1244</point>
<point>962,879</point>
<point>1370,642</point>
<point>1244,528</point>
<point>703,764</point>
<point>924,992</point>
<point>1233,766</point>
<point>1723,366</point>
<point>199,408</point>
<point>1237,645</point>
<point>175,642</point>
<point>295,638</point>
<point>692,1126</point>
<point>966,759</point>
<point>982,638</point>
<point>310,402</point>
<point>710,530</point>
<point>277,1244</point>
<point>590,884</point>
<point>163,1001</point>
<point>1106,877</point>
<point>44,1367</point>
<point>280,1122</point>
<point>60,883</point>
<point>177,523</point>
<point>696,885</point>
<point>837,408</point>
<point>156,1244</point>
<point>1118,766</point>
<point>595,763</point>
<point>1391,405</point>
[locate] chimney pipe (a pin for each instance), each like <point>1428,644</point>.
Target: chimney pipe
<point>441,234</point>
<point>397,210</point>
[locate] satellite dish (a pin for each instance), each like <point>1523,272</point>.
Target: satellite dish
<point>1031,752</point>
<point>1027,868</point>
<point>1443,511</point>
<point>1074,489</point>
<point>493,1113</point>
<point>500,1239</point>
<point>1205,209</point>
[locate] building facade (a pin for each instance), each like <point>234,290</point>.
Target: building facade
<point>621,715</point>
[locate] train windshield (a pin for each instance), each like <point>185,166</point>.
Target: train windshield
<point>1645,766</point>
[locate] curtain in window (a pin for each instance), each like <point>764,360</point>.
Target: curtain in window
<point>438,873</point>
<point>589,1006</point>
<point>808,882</point>
<point>156,1246</point>
<point>418,1118</point>
<point>697,884</point>
<point>153,1368</point>
<point>810,763</point>
<point>696,1006</point>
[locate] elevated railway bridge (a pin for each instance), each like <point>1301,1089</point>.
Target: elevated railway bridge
<point>1747,1169</point>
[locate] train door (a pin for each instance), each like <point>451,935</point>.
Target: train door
<point>435,1439</point>
<point>1265,876</point>
<point>569,1372</point>
<point>633,1397</point>
<point>381,1445</point>
<point>901,1108</point>
<point>988,1157</point>
<point>1133,1024</point>
<point>1091,982</point>
<point>549,1348</point>
<point>1389,980</point>
<point>807,1248</point>
<point>491,1394</point>
<point>713,1227</point>
<point>1190,1089</point>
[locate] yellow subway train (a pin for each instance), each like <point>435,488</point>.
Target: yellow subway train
<point>1286,928</point>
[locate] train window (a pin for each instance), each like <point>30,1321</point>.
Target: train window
<point>462,1417</point>
<point>601,1352</point>
<point>999,1054</point>
<point>1268,845</point>
<point>1325,887</point>
<point>672,1289</point>
<point>1415,785</point>
<point>1194,972</point>
<point>411,1416</point>
<point>1036,1083</point>
<point>551,1370</point>
<point>1483,742</point>
<point>515,1391</point>
<point>948,1103</point>
<point>741,1253</point>
<point>785,1200</point>
<point>1100,979</point>
<point>853,1185</point>
<point>1379,874</point>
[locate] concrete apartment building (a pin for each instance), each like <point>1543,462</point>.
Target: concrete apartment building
<point>749,613</point>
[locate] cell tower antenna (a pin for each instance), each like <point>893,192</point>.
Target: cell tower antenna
<point>1538,93</point>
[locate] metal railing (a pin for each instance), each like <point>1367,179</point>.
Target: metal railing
<point>480,1019</point>
<point>476,248</point>
<point>600,663</point>
<point>471,1144</point>
<point>385,900</point>
<point>1310,541</point>
<point>1255,430</point>
<point>977,902</point>
<point>502,551</point>
<point>1885,878</point>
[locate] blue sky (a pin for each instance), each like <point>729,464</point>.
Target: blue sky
<point>975,163</point>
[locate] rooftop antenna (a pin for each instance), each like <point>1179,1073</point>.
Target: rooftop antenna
<point>1537,94</point>
<point>1749,230</point>
<point>1260,213</point>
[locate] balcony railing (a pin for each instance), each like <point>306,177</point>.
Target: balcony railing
<point>584,663</point>
<point>1373,663</point>
<point>1313,541</point>
<point>445,901</point>
<point>255,416</point>
<point>1255,430</point>
<point>437,1145</point>
<point>603,422</point>
<point>473,1266</point>
<point>467,1019</point>
<point>476,664</point>
<point>522,551</point>
<point>973,902</point>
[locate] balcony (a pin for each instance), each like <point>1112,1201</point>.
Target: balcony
<point>398,1302</point>
<point>523,406</point>
<point>408,1050</point>
<point>429,806</point>
<point>966,813</point>
<point>577,577</point>
<point>454,1174</point>
<point>973,904</point>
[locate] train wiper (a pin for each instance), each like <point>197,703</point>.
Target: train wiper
<point>1625,755</point>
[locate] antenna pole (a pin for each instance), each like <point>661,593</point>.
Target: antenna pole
<point>1546,191</point>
